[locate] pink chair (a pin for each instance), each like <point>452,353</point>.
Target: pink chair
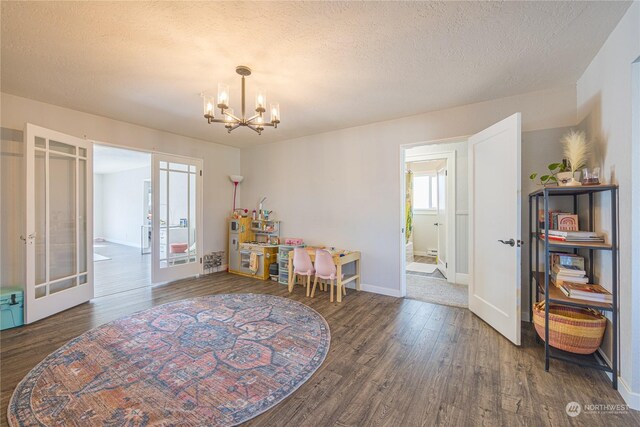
<point>326,270</point>
<point>302,266</point>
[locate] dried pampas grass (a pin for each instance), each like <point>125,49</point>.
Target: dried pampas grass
<point>575,149</point>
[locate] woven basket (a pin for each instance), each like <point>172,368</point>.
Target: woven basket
<point>577,330</point>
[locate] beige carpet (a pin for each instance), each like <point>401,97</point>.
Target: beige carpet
<point>437,291</point>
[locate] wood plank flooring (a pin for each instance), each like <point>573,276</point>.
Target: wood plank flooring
<point>392,362</point>
<point>126,270</point>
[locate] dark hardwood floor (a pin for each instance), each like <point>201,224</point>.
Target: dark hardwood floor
<point>392,362</point>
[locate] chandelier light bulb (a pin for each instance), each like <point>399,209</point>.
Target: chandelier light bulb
<point>261,100</point>
<point>208,106</point>
<point>228,115</point>
<point>275,113</point>
<point>223,96</point>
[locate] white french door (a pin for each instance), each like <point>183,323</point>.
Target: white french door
<point>59,226</point>
<point>494,226</point>
<point>441,215</point>
<point>177,218</point>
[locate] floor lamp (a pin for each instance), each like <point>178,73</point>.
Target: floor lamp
<point>236,179</point>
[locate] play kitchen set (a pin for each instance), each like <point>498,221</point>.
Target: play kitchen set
<point>253,243</point>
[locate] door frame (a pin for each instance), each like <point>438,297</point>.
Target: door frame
<point>447,200</point>
<point>200,191</point>
<point>450,158</point>
<point>402,203</point>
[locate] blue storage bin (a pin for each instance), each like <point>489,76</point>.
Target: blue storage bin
<point>11,308</point>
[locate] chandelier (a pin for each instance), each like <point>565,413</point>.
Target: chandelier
<point>231,121</point>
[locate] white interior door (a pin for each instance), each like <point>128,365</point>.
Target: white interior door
<point>177,218</point>
<point>494,215</point>
<point>59,222</point>
<point>441,215</point>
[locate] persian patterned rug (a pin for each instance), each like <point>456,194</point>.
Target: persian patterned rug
<point>217,360</point>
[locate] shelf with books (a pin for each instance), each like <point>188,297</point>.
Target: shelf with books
<point>580,225</point>
<point>556,295</point>
<point>574,245</point>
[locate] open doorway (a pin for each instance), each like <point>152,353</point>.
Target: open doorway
<point>435,257</point>
<point>122,219</point>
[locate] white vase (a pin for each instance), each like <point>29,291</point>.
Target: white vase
<point>566,179</point>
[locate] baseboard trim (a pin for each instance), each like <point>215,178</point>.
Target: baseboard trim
<point>377,290</point>
<point>462,279</point>
<point>420,253</point>
<point>121,242</point>
<point>632,398</point>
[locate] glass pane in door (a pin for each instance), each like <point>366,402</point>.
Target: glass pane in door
<point>82,216</point>
<point>40,212</point>
<point>61,147</point>
<point>62,216</point>
<point>178,237</point>
<point>62,285</point>
<point>193,244</point>
<point>163,215</point>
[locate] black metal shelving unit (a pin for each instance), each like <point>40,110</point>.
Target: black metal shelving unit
<point>540,279</point>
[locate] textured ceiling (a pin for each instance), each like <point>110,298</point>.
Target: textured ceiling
<point>330,65</point>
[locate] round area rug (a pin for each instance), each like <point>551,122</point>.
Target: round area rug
<point>217,360</point>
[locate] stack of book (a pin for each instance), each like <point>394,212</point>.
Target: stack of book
<point>567,268</point>
<point>574,236</point>
<point>572,274</point>
<point>586,292</point>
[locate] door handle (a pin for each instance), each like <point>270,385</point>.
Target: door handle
<point>511,242</point>
<point>30,237</point>
<point>436,224</point>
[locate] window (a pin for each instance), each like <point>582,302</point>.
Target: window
<point>425,192</point>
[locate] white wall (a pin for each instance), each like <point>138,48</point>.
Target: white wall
<point>425,233</point>
<point>98,229</point>
<point>219,162</point>
<point>11,202</point>
<point>539,149</point>
<point>342,188</point>
<point>123,205</point>
<point>604,101</point>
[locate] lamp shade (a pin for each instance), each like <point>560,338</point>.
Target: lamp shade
<point>275,113</point>
<point>208,106</point>
<point>236,178</point>
<point>261,100</point>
